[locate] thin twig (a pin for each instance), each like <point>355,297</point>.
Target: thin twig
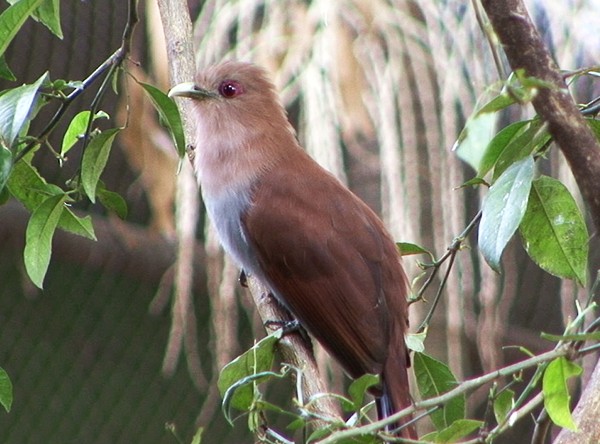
<point>542,426</point>
<point>462,388</point>
<point>450,253</point>
<point>115,60</point>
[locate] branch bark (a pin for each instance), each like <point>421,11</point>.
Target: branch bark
<point>525,49</point>
<point>294,349</point>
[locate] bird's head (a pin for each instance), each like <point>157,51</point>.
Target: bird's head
<point>234,96</point>
<point>241,125</point>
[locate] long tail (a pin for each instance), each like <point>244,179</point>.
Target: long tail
<point>396,395</point>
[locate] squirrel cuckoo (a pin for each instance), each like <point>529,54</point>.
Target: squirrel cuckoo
<point>322,252</point>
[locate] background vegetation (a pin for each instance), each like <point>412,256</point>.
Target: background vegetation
<point>379,92</point>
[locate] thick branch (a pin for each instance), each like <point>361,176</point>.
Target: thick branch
<point>525,50</point>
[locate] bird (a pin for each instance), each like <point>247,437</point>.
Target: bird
<point>320,250</point>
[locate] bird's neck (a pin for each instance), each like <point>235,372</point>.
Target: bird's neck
<point>228,161</point>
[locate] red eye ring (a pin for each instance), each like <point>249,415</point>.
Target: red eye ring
<point>230,89</point>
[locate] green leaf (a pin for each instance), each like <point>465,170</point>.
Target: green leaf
<point>474,137</point>
<point>27,186</point>
<point>554,231</point>
<point>4,196</point>
<point>359,387</point>
<point>6,163</point>
<point>457,430</point>
<point>256,360</point>
<point>474,182</point>
<point>5,71</point>
<point>408,249</point>
<point>434,378</point>
<point>498,144</point>
<point>49,14</point>
<point>498,103</point>
<point>112,201</point>
<point>94,160</point>
<point>503,403</point>
<point>82,226</point>
<point>38,237</point>
<point>77,129</point>
<point>503,209</point>
<point>529,140</point>
<point>416,341</point>
<point>556,392</point>
<point>6,390</point>
<point>197,439</point>
<point>13,18</point>
<point>15,110</point>
<point>595,125</point>
<point>169,114</point>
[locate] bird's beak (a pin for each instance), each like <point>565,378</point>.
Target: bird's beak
<point>191,91</point>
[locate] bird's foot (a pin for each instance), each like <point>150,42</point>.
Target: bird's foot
<point>288,327</point>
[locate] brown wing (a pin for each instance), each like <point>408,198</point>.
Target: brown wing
<point>325,254</point>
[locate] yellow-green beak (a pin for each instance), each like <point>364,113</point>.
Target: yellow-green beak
<point>191,91</point>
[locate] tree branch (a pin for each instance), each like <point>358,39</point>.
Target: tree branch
<point>525,50</point>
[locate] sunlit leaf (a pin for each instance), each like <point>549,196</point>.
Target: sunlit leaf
<point>556,393</point>
<point>38,237</point>
<point>16,106</point>
<point>416,341</point>
<point>474,137</point>
<point>434,378</point>
<point>49,14</point>
<point>12,18</point>
<point>77,129</point>
<point>503,209</point>
<point>554,231</point>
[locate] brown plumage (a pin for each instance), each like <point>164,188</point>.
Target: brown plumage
<point>324,254</point>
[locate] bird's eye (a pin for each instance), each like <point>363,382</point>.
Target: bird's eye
<point>230,89</point>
